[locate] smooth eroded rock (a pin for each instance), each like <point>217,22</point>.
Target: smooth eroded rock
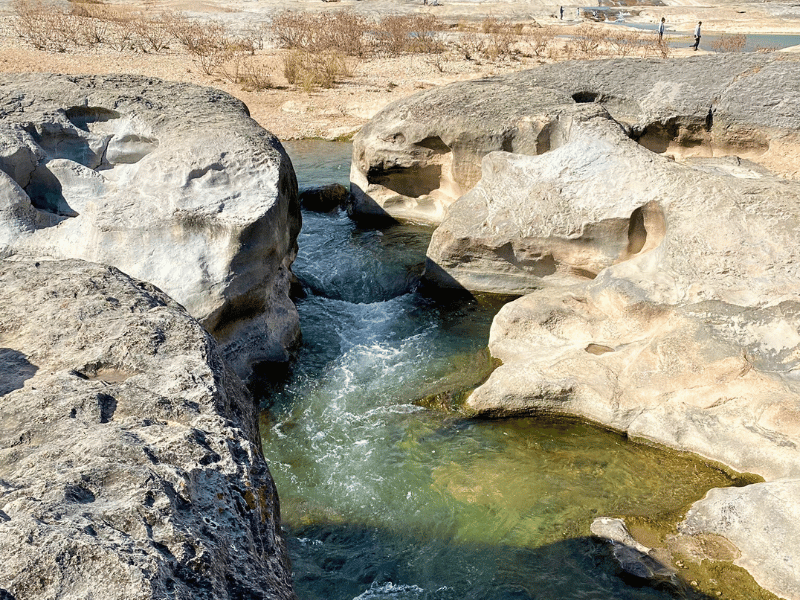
<point>172,183</point>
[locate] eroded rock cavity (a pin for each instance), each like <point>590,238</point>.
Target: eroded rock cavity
<point>171,183</point>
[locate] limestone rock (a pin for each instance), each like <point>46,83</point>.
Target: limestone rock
<point>603,206</point>
<point>171,183</point>
<point>418,155</point>
<point>633,557</point>
<point>762,521</point>
<point>130,460</point>
<point>651,229</point>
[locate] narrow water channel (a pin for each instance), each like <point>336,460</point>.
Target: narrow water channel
<point>387,496</point>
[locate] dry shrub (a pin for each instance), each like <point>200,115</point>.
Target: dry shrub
<point>729,43</point>
<point>587,39</point>
<point>470,45</point>
<point>310,70</point>
<point>623,43</point>
<point>397,34</point>
<point>341,31</point>
<point>243,69</point>
<point>41,24</point>
<point>539,39</point>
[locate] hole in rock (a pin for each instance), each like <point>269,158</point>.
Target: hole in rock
<point>82,116</point>
<point>46,193</point>
<point>692,136</point>
<point>583,273</point>
<point>598,349</point>
<point>434,143</point>
<point>646,228</point>
<point>108,406</point>
<point>412,182</point>
<point>78,494</point>
<point>109,375</point>
<point>637,233</point>
<point>585,97</point>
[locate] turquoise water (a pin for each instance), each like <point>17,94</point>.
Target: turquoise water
<point>384,498</point>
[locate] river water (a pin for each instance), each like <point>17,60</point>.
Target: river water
<point>387,493</point>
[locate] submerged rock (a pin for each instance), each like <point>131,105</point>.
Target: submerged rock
<point>172,183</point>
<point>130,460</point>
<point>324,198</point>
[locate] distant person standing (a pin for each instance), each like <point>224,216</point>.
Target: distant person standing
<point>578,13</point>
<point>697,35</point>
<point>561,12</point>
<point>661,30</point>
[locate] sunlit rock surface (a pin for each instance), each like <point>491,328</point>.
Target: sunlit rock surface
<point>130,460</point>
<point>418,155</point>
<point>171,183</point>
<point>649,220</point>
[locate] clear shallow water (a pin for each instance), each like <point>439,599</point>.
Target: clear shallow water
<point>384,498</point>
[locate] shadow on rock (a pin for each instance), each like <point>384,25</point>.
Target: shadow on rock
<point>15,370</point>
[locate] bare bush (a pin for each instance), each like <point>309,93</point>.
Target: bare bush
<point>342,31</point>
<point>587,39</point>
<point>729,43</point>
<point>309,70</point>
<point>40,24</point>
<point>397,34</point>
<point>470,45</point>
<point>539,39</point>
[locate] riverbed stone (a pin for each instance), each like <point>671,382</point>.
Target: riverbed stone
<point>130,459</point>
<point>171,183</point>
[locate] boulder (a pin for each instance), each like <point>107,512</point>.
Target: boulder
<point>419,154</point>
<point>130,459</point>
<point>171,183</point>
<point>761,520</point>
<point>602,207</point>
<point>647,213</point>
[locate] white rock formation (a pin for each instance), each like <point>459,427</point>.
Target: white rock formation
<point>171,183</point>
<point>661,290</point>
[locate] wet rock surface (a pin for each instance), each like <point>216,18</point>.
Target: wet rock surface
<point>172,183</point>
<point>130,461</point>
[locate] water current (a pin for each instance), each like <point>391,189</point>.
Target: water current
<point>386,496</point>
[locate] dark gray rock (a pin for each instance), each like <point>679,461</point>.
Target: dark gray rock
<point>130,459</point>
<point>324,198</point>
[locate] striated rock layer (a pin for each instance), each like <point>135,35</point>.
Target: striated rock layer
<point>130,461</point>
<point>630,204</point>
<point>172,183</point>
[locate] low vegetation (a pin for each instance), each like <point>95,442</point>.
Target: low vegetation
<point>315,49</point>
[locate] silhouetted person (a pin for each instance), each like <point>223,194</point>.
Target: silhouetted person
<point>697,35</point>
